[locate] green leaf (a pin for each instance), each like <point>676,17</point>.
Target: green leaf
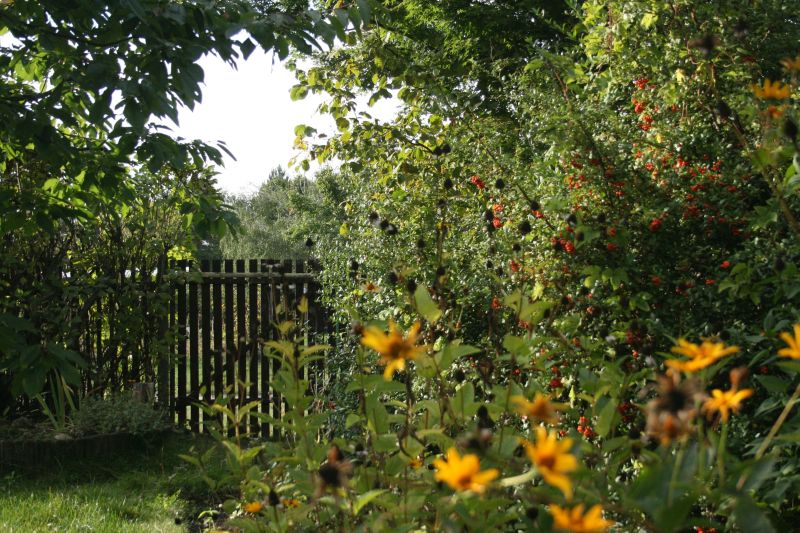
<point>648,20</point>
<point>425,304</point>
<point>749,517</point>
<point>247,46</point>
<point>377,417</point>
<point>298,92</point>
<point>606,418</point>
<point>451,352</point>
<point>352,419</point>
<point>789,366</point>
<point>342,124</point>
<point>773,384</point>
<point>464,399</point>
<point>364,500</point>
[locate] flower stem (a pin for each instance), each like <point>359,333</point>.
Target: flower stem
<point>721,453</point>
<point>773,431</point>
<point>675,469</point>
<point>277,519</point>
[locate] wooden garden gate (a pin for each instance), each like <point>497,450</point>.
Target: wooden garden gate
<point>221,313</point>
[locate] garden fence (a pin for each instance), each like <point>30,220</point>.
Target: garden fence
<point>196,330</point>
<point>221,314</point>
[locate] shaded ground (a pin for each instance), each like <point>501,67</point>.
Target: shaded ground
<point>152,491</point>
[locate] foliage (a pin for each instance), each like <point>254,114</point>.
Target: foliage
<point>101,277</point>
<point>82,165</point>
<point>555,235</point>
<point>270,219</point>
<point>121,413</point>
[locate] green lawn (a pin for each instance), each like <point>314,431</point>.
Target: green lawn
<point>130,494</point>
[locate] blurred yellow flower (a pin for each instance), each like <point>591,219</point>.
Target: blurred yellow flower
<point>252,507</point>
<point>793,350</point>
<point>415,463</point>
<point>772,90</point>
<point>290,503</point>
<point>727,401</point>
<point>393,348</point>
<point>700,356</point>
<point>463,473</point>
<point>541,408</point>
<point>774,112</point>
<point>552,459</point>
<point>791,64</point>
<point>576,521</point>
<point>370,287</point>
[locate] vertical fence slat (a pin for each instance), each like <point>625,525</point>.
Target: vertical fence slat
<point>173,308</point>
<point>299,292</point>
<point>252,341</point>
<point>131,349</point>
<point>241,340</point>
<point>194,367</point>
<point>181,340</point>
<point>205,314</point>
<point>101,361</point>
<point>219,347</point>
<point>267,304</point>
<point>275,299</point>
<point>230,340</point>
<point>314,378</point>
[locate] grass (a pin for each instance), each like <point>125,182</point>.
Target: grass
<point>154,491</point>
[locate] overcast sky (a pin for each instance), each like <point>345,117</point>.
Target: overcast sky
<point>250,109</point>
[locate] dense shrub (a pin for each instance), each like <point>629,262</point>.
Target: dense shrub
<point>592,232</point>
<point>121,413</point>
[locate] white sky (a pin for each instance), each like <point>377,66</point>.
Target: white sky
<point>249,108</point>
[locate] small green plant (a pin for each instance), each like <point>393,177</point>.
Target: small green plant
<point>61,398</point>
<point>118,414</point>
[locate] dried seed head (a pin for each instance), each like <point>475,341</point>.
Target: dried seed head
<point>790,129</point>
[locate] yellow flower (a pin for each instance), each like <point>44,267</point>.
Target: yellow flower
<point>370,287</point>
<point>775,112</point>
<point>252,507</point>
<point>791,64</point>
<point>793,350</point>
<point>393,348</point>
<point>700,356</point>
<point>290,503</point>
<point>575,521</point>
<point>727,401</point>
<point>552,459</point>
<point>463,473</point>
<point>772,90</point>
<point>539,409</point>
<point>415,463</point>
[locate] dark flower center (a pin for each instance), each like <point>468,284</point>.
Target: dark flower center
<point>675,401</point>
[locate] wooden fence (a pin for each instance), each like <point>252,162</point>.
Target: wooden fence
<point>222,312</point>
